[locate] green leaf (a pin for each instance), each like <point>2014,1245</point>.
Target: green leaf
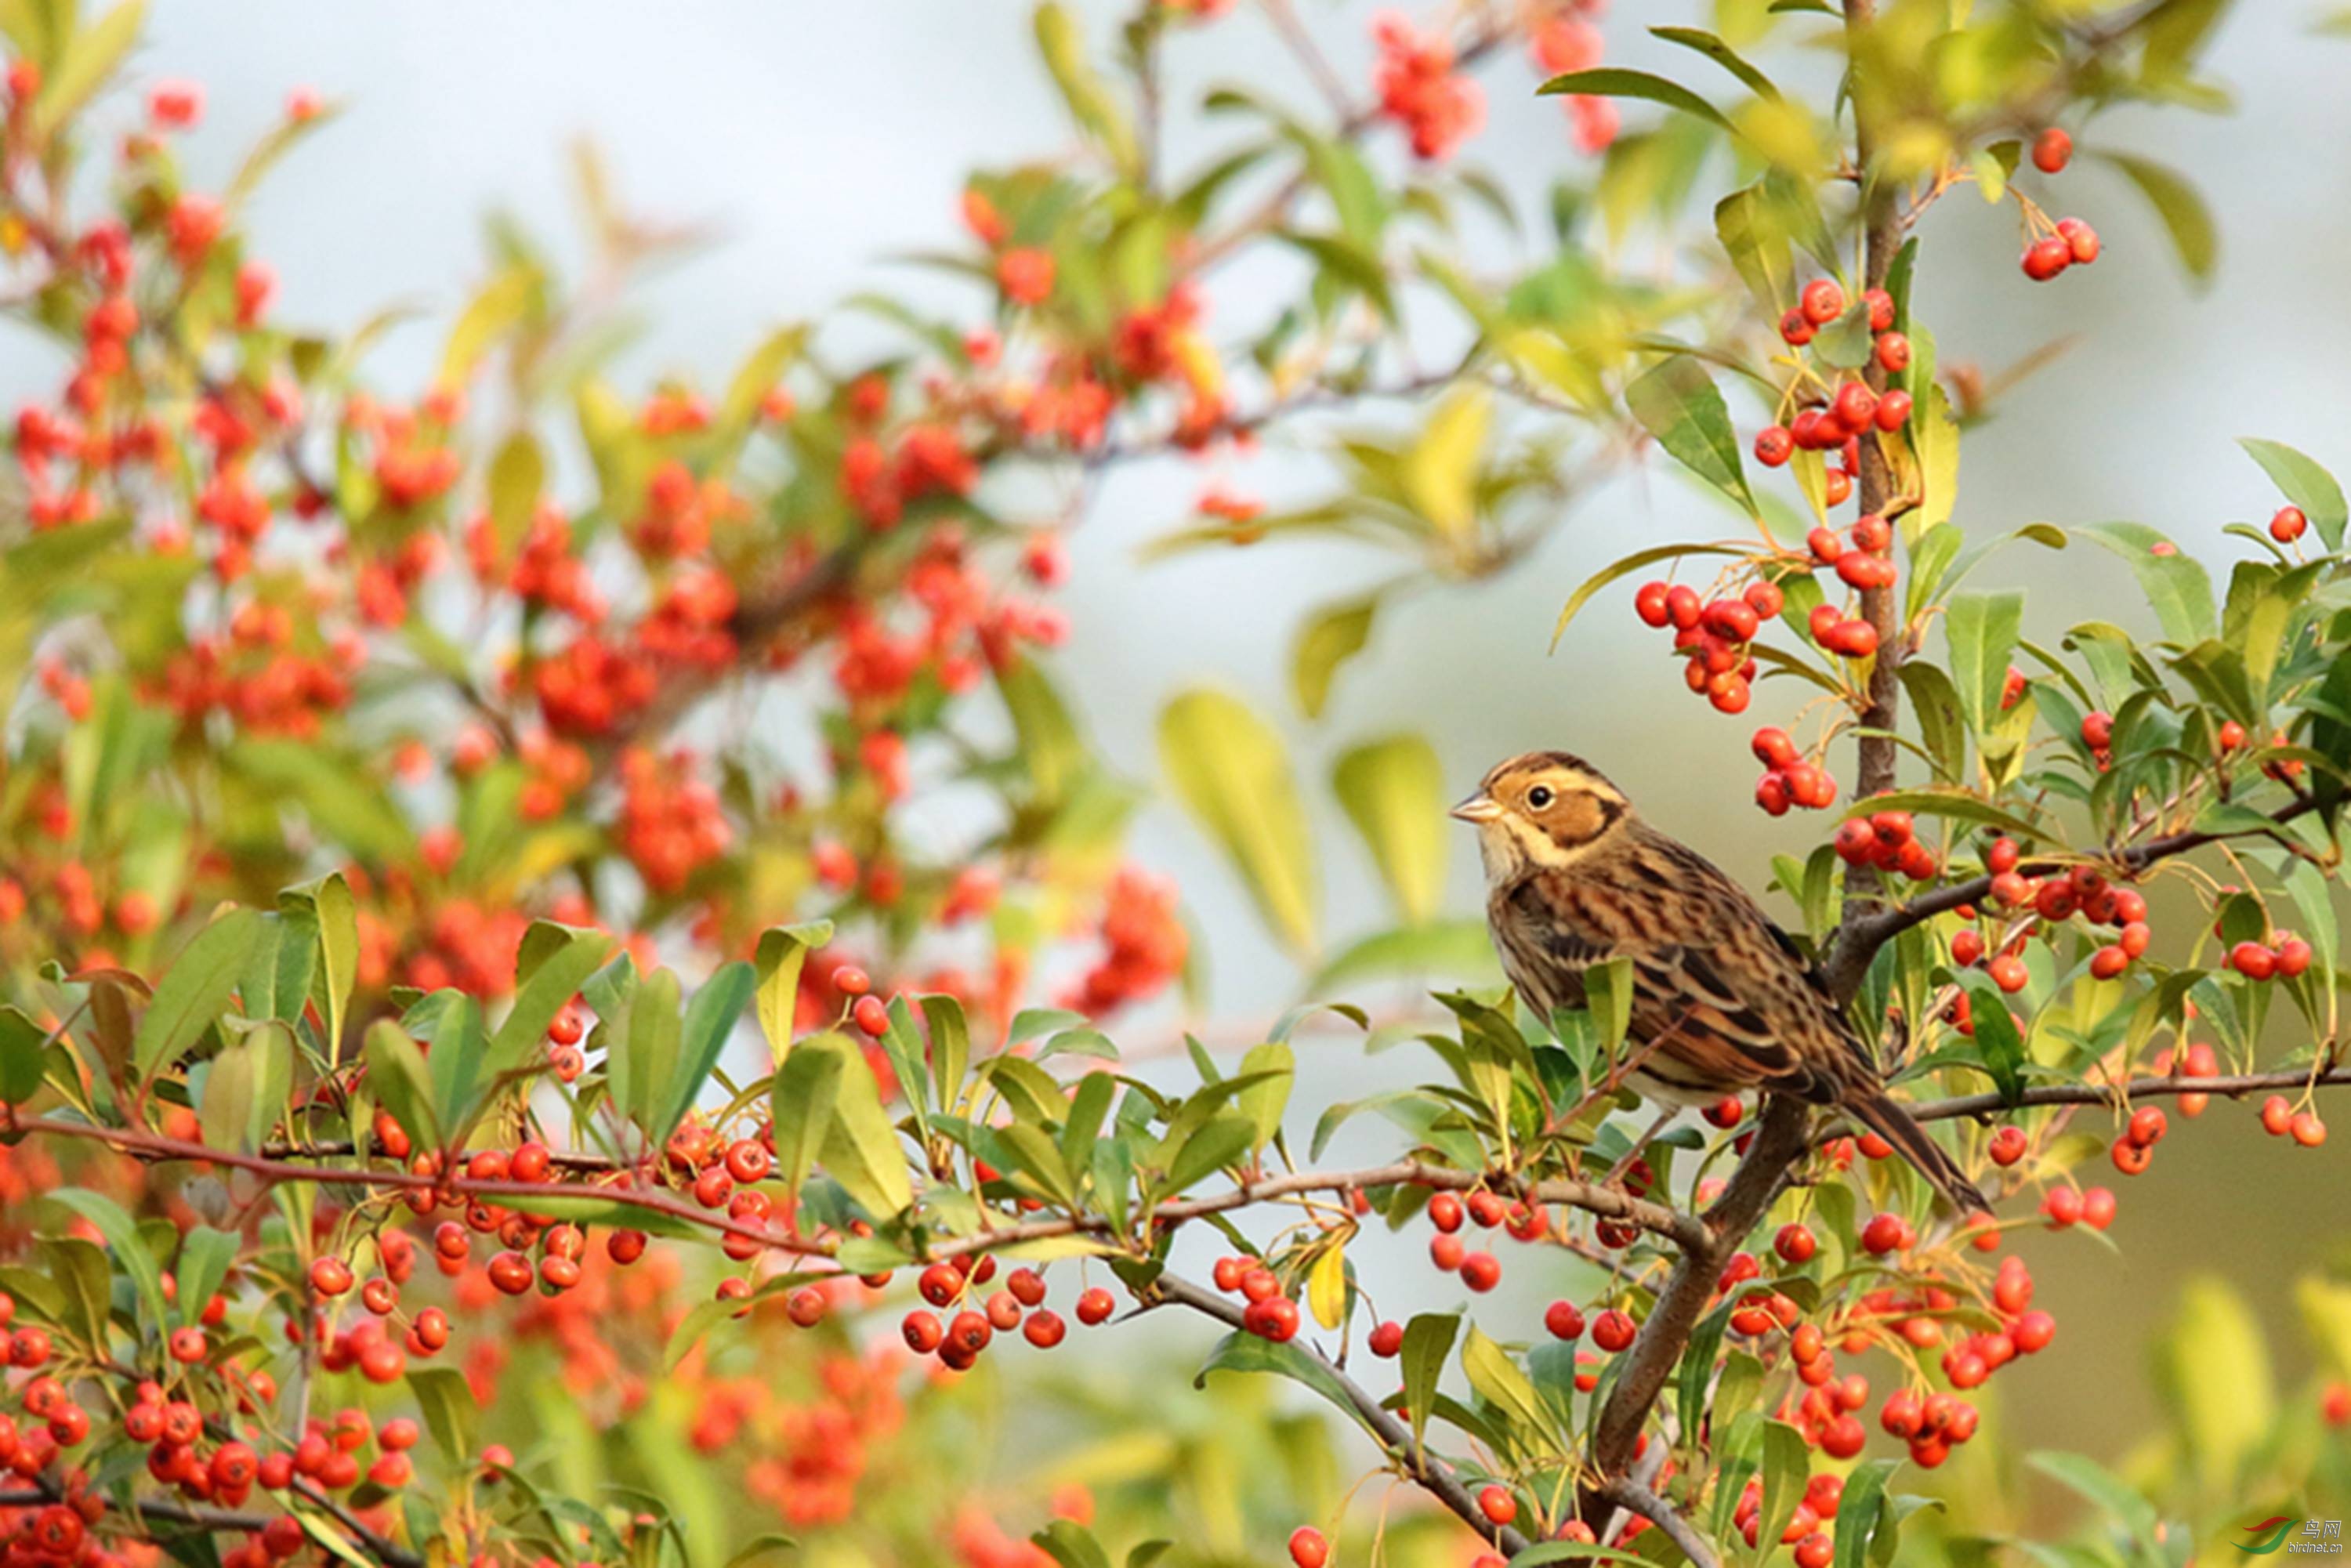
<point>339,953</point>
<point>1253,1352</point>
<point>1626,566</point>
<point>805,1091</point>
<point>2086,1477</point>
<point>782,950</point>
<point>1785,1471</point>
<point>1614,81</point>
<point>1427,1343</point>
<point>1860,1510</point>
<point>1721,54</point>
<point>1394,792</point>
<point>1063,48</point>
<point>517,475</point>
<point>1449,949</point>
<point>566,958</point>
<point>451,1415</point>
<point>1983,628</point>
<point>204,1258</point>
<point>23,1061</point>
<point>1996,1037</point>
<point>1440,468</point>
<point>1608,994</point>
<point>1221,1142</point>
<point>402,1085</point>
<point>1072,1545</point>
<point>2176,586</point>
<point>124,1245</point>
<point>2304,482</point>
<point>1229,768</point>
<point>710,1021</point>
<point>1327,638</point>
<point>195,991</point>
<point>1503,1383</point>
<point>499,307</point>
<point>2184,215</point>
<point>92,58</point>
<point>1275,1066</point>
<point>950,1045</point>
<point>1676,402</point>
<point>859,1148</point>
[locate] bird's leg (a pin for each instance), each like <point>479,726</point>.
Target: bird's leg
<point>1640,1143</point>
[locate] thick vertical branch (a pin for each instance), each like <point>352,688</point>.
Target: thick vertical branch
<point>1781,1139</point>
<point>1881,222</point>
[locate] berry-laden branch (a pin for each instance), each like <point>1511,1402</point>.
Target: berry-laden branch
<point>1865,932</point>
<point>1431,1475</point>
<point>1630,1494</point>
<point>2232,1085</point>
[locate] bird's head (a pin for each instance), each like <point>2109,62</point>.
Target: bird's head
<point>1544,810</point>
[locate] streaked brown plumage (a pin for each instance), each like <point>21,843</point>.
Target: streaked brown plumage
<point>1574,878</point>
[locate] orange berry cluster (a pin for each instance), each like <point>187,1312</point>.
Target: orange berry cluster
<point>1715,633</point>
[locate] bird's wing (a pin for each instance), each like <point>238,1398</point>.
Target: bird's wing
<point>1688,1000</point>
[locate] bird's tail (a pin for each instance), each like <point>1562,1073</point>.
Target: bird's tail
<point>1869,1105</point>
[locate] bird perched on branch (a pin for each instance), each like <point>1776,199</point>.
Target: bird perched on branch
<point>1723,1000</point>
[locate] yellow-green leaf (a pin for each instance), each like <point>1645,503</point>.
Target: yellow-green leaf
<point>1394,792</point>
<point>1230,771</point>
<point>1440,469</point>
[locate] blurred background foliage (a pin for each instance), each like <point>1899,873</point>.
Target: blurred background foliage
<point>806,151</point>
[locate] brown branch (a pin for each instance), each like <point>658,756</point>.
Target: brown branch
<point>1779,1141</point>
<point>1863,934</point>
<point>1414,1459</point>
<point>171,1510</point>
<point>515,1195</point>
<point>1686,1230</point>
<point>1665,1517</point>
<point>2231,1086</point>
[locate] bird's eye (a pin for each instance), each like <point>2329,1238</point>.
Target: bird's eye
<point>1540,796</point>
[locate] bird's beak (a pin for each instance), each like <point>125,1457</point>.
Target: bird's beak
<point>1480,809</point>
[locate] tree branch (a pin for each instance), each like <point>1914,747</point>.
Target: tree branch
<point>1428,1473</point>
<point>1780,1140</point>
<point>1665,1517</point>
<point>2231,1086</point>
<point>1861,934</point>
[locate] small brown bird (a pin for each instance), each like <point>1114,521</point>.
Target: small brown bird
<point>1723,1000</point>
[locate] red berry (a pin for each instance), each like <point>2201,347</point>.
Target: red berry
<point>2287,523</point>
<point>2047,257</point>
<point>1612,1330</point>
<point>1445,1212</point>
<point>1796,330</point>
<point>2081,240</point>
<point>1885,1234</point>
<point>1795,1244</point>
<point>1481,1272</point>
<point>1386,1339</point>
<point>2277,1119</point>
<point>1095,1306</point>
<point>331,1276</point>
<point>2051,150</point>
<point>2008,1145</point>
<point>2252,960</point>
<point>1044,1329</point>
<point>1773,446</point>
<point>1823,302</point>
<point>1563,1321</point>
<point>1855,404</point>
<point>1498,1504</point>
<point>1308,1548</point>
<point>2308,1130</point>
<point>1650,604</point>
<point>1894,352</point>
<point>1881,308</point>
<point>2294,956</point>
<point>872,1016</point>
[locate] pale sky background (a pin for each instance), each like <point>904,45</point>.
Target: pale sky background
<point>818,139</point>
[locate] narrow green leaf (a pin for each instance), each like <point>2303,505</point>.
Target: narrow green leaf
<point>1676,402</point>
<point>1327,638</point>
<point>781,952</point>
<point>2304,482</point>
<point>2185,217</point>
<point>1983,628</point>
<point>1394,792</point>
<point>1616,81</point>
<point>1230,771</point>
<point>195,991</point>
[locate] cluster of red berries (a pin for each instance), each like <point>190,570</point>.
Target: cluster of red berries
<point>2281,1119</point>
<point>2083,890</point>
<point>1814,1547</point>
<point>1564,40</point>
<point>1715,633</point>
<point>958,1340</point>
<point>1854,407</point>
<point>1789,780</point>
<point>1419,88</point>
<point>1888,841</point>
